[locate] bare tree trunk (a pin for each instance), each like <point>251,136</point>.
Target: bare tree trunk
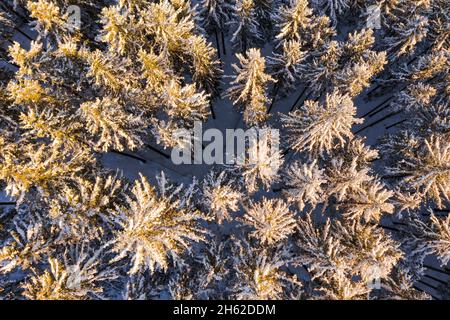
<point>421,290</point>
<point>275,94</point>
<point>436,279</point>
<point>378,121</point>
<point>157,151</point>
<point>223,43</point>
<point>217,43</point>
<point>7,7</point>
<point>446,271</point>
<point>132,156</point>
<point>12,203</point>
<point>213,113</point>
<point>299,97</point>
<point>376,107</point>
<point>396,124</point>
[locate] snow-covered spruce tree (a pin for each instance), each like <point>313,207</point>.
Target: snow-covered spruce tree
<point>332,8</point>
<point>406,23</point>
<point>221,195</point>
<point>215,14</point>
<point>264,12</point>
<point>423,235</point>
<point>356,151</point>
<point>25,244</point>
<point>298,33</point>
<point>430,236</point>
<point>293,21</point>
<point>343,257</point>
<point>9,115</point>
<point>259,166</point>
<point>400,286</point>
<point>260,273</point>
<point>296,21</point>
<point>156,227</point>
<point>415,98</point>
<point>439,31</point>
<point>369,202</point>
<point>271,221</point>
<point>408,34</point>
<point>41,166</point>
<point>422,166</point>
<point>75,278</point>
<point>416,156</point>
<point>86,24</point>
<point>111,124</point>
<point>54,19</point>
<point>345,177</point>
<point>7,24</point>
<point>205,66</point>
<point>202,277</point>
<point>352,188</point>
<point>84,207</point>
<point>303,184</point>
<point>356,78</point>
<point>285,66</point>
<point>249,86</point>
<point>430,68</point>
<point>318,128</point>
<point>246,29</point>
<point>347,66</point>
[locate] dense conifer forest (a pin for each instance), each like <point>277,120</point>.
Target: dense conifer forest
<point>354,204</point>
